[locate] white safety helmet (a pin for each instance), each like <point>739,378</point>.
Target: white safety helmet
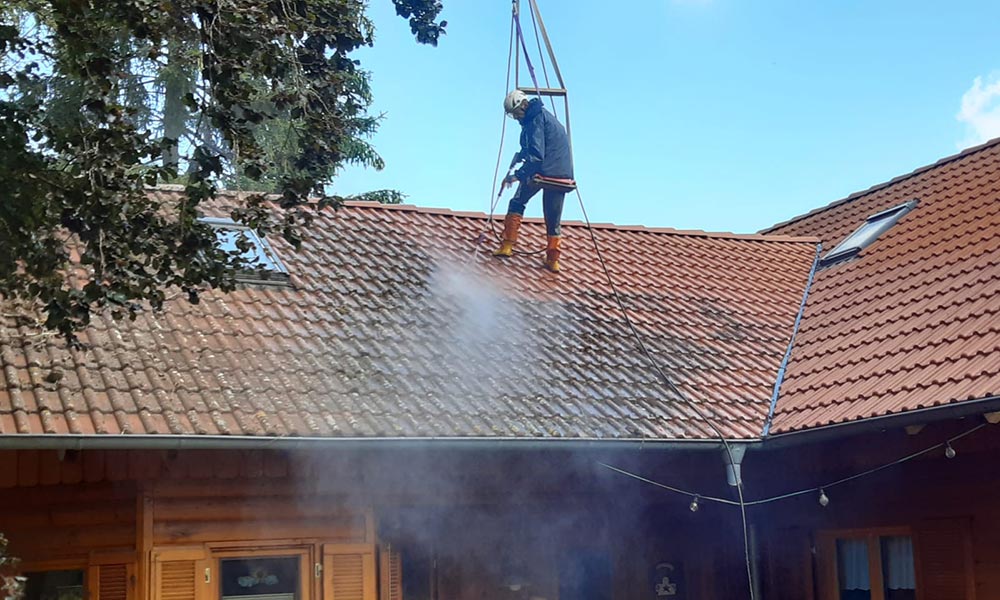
<point>513,100</point>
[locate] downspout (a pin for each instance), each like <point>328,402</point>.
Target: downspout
<point>791,344</point>
<point>733,455</point>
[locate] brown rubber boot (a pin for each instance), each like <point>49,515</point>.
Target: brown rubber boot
<point>511,225</point>
<point>552,253</point>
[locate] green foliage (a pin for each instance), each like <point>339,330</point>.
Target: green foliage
<point>11,586</point>
<point>101,98</point>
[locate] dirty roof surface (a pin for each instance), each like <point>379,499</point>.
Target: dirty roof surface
<point>913,321</point>
<point>394,327</point>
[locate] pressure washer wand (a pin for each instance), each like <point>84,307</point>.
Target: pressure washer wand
<point>510,173</point>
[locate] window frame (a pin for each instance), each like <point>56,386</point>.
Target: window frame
<point>875,225</point>
<point>277,276</point>
<point>304,552</point>
<point>65,564</point>
<point>829,580</point>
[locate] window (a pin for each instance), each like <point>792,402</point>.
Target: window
<point>260,578</point>
<point>869,565</point>
<point>264,263</point>
<point>869,231</point>
<point>54,585</point>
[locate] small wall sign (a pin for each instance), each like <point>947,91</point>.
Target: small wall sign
<point>668,581</point>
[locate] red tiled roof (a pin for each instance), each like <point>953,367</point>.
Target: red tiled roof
<point>914,321</point>
<point>393,327</point>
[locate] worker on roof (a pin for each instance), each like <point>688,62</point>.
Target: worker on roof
<point>547,166</point>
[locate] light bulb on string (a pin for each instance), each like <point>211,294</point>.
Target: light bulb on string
<point>823,498</point>
<point>949,452</point>
<point>694,504</point>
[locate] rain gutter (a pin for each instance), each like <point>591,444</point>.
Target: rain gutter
<point>918,416</point>
<point>232,442</point>
<point>791,344</point>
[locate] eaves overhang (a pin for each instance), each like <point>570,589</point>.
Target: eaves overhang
<point>919,416</point>
<point>206,442</point>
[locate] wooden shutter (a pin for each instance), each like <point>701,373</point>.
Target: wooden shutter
<point>181,574</point>
<point>944,560</point>
<point>390,572</point>
<point>112,580</point>
<point>348,572</point>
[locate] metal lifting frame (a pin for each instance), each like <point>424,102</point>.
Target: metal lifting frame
<point>534,88</point>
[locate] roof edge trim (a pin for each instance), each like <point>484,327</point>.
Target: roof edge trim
<point>929,414</point>
<point>879,186</point>
<point>217,442</point>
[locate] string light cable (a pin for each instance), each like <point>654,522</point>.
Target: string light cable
<point>949,452</point>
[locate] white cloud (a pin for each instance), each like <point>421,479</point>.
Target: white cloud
<point>981,111</point>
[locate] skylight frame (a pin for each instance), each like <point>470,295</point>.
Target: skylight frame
<point>270,270</point>
<point>865,235</point>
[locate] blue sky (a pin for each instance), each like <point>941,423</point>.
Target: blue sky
<point>722,115</point>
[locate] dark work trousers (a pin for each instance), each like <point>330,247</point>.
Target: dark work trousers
<point>552,205</point>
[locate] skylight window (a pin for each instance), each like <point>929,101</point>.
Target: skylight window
<point>263,264</point>
<point>863,236</point>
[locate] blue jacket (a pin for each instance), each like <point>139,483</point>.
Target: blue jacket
<point>544,145</point>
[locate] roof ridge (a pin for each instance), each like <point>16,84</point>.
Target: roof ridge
<point>879,186</point>
<point>432,210</point>
<point>616,227</point>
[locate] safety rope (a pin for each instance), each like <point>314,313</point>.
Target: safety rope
<point>524,47</point>
<point>515,29</point>
<point>490,225</point>
<point>545,71</point>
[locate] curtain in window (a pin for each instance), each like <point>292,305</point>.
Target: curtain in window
<point>897,567</point>
<point>852,565</point>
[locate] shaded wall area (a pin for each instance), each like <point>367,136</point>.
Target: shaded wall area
<point>421,525</point>
<point>946,509</point>
<point>531,524</point>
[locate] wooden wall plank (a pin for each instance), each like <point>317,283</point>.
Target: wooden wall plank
<point>91,514</point>
<point>93,465</point>
<point>35,544</point>
<point>340,530</point>
<point>72,468</point>
<point>236,509</point>
<point>50,467</point>
<point>8,468</point>
<point>275,465</point>
<point>226,464</point>
<point>252,464</point>
<point>116,465</point>
<point>27,467</point>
